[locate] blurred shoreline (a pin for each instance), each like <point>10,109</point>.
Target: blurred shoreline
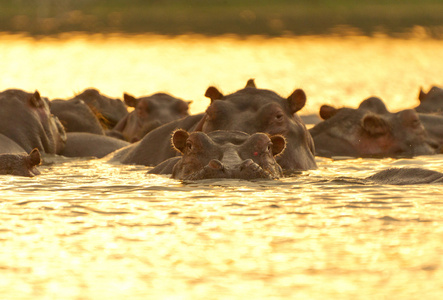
<point>224,17</point>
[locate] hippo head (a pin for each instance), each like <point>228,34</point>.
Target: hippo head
<point>371,130</point>
<point>109,111</point>
<point>227,154</point>
<point>20,164</point>
<point>149,113</point>
<point>258,110</point>
<point>430,102</point>
<point>54,136</point>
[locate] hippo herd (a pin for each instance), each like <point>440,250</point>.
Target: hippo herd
<point>252,133</point>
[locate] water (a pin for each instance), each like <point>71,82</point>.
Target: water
<point>86,229</point>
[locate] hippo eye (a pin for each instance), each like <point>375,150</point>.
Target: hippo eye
<point>279,117</point>
<point>269,149</point>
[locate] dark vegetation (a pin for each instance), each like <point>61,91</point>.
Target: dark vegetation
<point>217,17</point>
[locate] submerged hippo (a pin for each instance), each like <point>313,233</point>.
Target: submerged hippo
<point>249,110</point>
<point>85,144</point>
<point>109,111</point>
<point>26,120</point>
<point>431,102</point>
<point>223,154</point>
<point>20,164</point>
<point>149,113</point>
<point>371,131</point>
<point>76,116</point>
<point>402,176</point>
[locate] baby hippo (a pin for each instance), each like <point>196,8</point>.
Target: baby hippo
<point>223,154</point>
<point>20,164</point>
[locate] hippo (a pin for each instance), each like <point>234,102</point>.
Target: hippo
<point>430,102</point>
<point>223,154</point>
<point>76,116</point>
<point>371,131</point>
<point>402,176</point>
<point>110,111</point>
<point>25,119</point>
<point>20,164</point>
<point>433,124</point>
<point>9,146</point>
<point>85,144</point>
<point>249,110</point>
<point>149,113</point>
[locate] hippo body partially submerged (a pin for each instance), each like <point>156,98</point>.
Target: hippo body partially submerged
<point>76,116</point>
<point>431,102</point>
<point>371,131</point>
<point>108,110</point>
<point>249,110</point>
<point>25,119</point>
<point>149,113</point>
<point>403,176</point>
<point>20,164</point>
<point>223,154</point>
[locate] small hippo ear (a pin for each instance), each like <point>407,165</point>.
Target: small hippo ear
<point>130,101</point>
<point>422,95</point>
<point>35,100</point>
<point>182,107</point>
<point>35,157</point>
<point>213,94</point>
<point>179,138</point>
<point>250,83</point>
<point>297,100</point>
<point>278,144</point>
<point>327,112</point>
<point>375,125</point>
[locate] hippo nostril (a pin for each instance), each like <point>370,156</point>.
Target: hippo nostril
<point>215,164</point>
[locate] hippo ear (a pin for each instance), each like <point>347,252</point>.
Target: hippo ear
<point>375,125</point>
<point>35,100</point>
<point>297,100</point>
<point>34,157</point>
<point>179,138</point>
<point>130,101</point>
<point>182,107</point>
<point>213,94</point>
<point>327,112</point>
<point>422,95</point>
<point>251,83</point>
<point>278,144</point>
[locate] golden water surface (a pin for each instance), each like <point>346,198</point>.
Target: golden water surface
<point>86,229</point>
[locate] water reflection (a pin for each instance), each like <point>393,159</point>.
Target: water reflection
<point>332,70</point>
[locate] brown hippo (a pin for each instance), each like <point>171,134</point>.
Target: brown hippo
<point>110,111</point>
<point>25,118</point>
<point>371,131</point>
<point>223,154</point>
<point>20,164</point>
<point>402,176</point>
<point>431,102</point>
<point>149,113</point>
<point>9,146</point>
<point>85,144</point>
<point>249,110</point>
<point>76,116</point>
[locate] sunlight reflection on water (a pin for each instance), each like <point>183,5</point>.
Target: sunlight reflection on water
<point>86,229</point>
<point>332,70</point>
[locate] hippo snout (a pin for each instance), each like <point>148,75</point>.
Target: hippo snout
<point>247,169</point>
